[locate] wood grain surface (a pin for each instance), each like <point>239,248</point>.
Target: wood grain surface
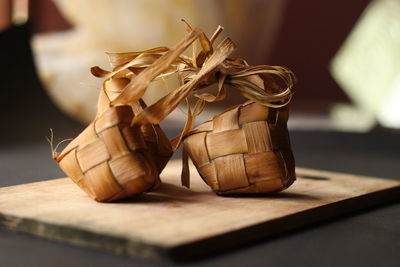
<point>180,224</point>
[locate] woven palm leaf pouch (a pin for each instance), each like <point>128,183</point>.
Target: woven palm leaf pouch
<point>246,149</point>
<point>113,158</point>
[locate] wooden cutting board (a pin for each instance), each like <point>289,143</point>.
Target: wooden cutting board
<point>180,224</point>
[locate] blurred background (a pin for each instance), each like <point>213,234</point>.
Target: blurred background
<point>345,54</point>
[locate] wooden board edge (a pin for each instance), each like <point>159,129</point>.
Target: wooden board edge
<point>256,233</point>
<point>83,238</point>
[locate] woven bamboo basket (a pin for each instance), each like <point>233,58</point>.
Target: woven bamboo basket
<point>245,149</point>
<point>110,159</point>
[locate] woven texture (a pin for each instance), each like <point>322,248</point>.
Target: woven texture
<point>245,149</point>
<point>110,159</point>
<point>157,143</point>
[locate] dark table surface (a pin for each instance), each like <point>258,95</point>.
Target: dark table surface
<point>367,238</point>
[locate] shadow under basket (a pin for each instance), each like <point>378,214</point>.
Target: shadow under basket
<point>244,150</point>
<point>111,160</point>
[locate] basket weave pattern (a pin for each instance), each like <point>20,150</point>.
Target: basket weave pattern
<point>245,149</point>
<point>110,159</point>
<point>157,143</point>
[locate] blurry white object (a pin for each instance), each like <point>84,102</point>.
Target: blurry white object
<point>63,59</point>
<point>346,117</point>
<point>367,67</point>
<point>389,115</point>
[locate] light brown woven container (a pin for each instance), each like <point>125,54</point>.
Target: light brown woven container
<point>157,143</point>
<point>110,159</point>
<point>116,156</point>
<point>245,149</point>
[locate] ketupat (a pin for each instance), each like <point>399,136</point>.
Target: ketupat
<point>245,149</point>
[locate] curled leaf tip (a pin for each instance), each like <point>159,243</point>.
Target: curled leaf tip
<point>98,72</point>
<point>188,27</point>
